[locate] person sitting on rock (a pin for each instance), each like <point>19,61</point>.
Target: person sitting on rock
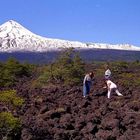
<point>107,73</point>
<point>112,87</point>
<point>87,83</point>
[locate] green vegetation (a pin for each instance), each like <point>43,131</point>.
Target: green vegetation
<point>119,67</point>
<point>68,69</point>
<point>9,125</point>
<point>12,70</point>
<point>10,97</point>
<point>126,74</point>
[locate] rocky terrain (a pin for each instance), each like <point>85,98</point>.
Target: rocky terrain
<point>57,112</point>
<point>61,113</point>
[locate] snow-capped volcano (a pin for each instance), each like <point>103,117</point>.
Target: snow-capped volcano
<point>16,38</point>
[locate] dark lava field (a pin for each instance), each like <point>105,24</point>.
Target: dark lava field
<point>58,112</point>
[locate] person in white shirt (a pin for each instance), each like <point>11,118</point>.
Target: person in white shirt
<point>112,87</point>
<point>87,83</point>
<point>107,73</point>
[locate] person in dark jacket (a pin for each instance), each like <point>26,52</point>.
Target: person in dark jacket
<point>87,83</point>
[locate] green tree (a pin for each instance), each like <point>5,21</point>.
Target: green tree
<point>12,70</point>
<point>68,69</point>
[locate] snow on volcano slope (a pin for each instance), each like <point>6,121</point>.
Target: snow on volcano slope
<point>16,38</point>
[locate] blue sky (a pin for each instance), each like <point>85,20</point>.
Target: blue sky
<point>102,21</point>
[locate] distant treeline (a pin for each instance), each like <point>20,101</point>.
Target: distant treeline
<point>88,55</point>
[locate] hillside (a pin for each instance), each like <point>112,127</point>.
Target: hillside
<point>59,112</point>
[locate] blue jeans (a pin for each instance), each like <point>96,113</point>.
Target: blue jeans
<point>86,88</point>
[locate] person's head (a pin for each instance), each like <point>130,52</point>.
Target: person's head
<point>91,74</point>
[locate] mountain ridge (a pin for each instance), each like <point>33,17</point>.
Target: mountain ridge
<point>16,38</point>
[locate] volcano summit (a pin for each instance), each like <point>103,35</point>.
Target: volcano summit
<point>15,38</point>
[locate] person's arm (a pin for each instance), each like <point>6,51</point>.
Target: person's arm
<point>85,78</point>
